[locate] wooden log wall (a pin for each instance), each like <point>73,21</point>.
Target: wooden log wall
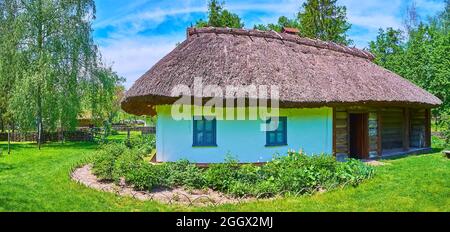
<point>341,131</point>
<point>389,128</point>
<point>392,129</point>
<point>417,133</point>
<point>373,134</point>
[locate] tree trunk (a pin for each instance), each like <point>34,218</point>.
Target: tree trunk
<point>39,109</point>
<point>40,40</point>
<point>2,126</point>
<point>9,141</point>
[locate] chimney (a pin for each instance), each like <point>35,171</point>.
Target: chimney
<point>290,30</point>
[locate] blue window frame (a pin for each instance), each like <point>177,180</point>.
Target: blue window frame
<point>277,137</point>
<point>204,132</point>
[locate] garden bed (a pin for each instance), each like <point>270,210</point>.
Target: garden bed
<point>126,170</point>
<point>85,176</point>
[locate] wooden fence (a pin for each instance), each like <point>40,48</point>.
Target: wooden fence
<point>143,129</point>
<point>74,136</point>
<point>81,135</point>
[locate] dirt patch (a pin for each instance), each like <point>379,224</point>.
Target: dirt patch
<point>84,175</point>
<point>375,163</point>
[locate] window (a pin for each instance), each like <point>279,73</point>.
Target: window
<point>277,137</point>
<point>204,132</point>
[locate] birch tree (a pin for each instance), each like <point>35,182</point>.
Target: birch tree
<point>59,66</point>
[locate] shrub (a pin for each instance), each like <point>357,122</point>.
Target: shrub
<point>446,130</point>
<point>126,163</point>
<point>104,159</point>
<point>221,176</point>
<point>295,173</point>
<point>144,177</point>
<point>145,143</point>
<point>299,173</point>
<point>353,172</point>
<point>267,188</point>
<point>183,173</point>
<point>240,189</point>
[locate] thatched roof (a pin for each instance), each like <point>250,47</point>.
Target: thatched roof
<point>308,72</point>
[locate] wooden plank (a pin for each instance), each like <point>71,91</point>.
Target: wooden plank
<point>334,132</point>
<point>348,132</point>
<point>406,128</point>
<point>341,123</point>
<point>380,149</point>
<point>427,128</point>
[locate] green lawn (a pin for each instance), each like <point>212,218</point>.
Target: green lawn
<point>33,180</point>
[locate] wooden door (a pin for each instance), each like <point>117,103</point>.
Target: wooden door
<point>359,135</point>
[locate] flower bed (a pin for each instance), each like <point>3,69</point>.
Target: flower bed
<point>293,174</point>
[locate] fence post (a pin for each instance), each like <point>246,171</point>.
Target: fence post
<point>9,141</point>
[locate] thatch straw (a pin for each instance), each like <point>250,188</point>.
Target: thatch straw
<point>309,73</point>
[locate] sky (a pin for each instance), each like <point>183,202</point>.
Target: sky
<point>135,34</point>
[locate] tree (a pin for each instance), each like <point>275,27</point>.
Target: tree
<point>220,17</point>
<point>283,21</point>
<point>102,98</point>
<point>422,57</point>
<point>49,63</point>
<point>389,50</point>
<point>323,19</point>
<point>10,59</point>
<point>412,18</point>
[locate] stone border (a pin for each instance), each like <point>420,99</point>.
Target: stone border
<point>84,176</point>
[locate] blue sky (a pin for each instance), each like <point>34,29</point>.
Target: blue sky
<point>133,35</point>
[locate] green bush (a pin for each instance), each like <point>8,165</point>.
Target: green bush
<point>126,163</point>
<point>144,177</point>
<point>446,130</point>
<point>182,173</point>
<point>104,159</point>
<point>114,132</point>
<point>353,172</point>
<point>145,143</point>
<point>295,173</point>
<point>221,176</point>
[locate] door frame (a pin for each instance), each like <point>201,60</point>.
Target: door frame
<point>365,133</point>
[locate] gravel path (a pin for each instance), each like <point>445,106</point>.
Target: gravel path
<point>84,175</point>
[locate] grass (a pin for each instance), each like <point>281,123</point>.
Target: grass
<point>33,180</point>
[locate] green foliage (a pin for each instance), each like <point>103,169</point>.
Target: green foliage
<point>353,172</point>
<point>421,57</point>
<point>126,162</point>
<point>446,129</point>
<point>222,176</point>
<point>182,173</point>
<point>389,49</point>
<point>50,69</point>
<point>283,21</point>
<point>144,143</point>
<point>404,185</point>
<point>325,20</point>
<point>220,17</point>
<point>105,158</point>
<point>143,177</point>
<point>318,19</point>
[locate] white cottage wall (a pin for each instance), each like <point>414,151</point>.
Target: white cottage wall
<point>309,129</point>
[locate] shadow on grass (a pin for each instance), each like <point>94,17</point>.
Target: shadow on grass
<point>431,151</point>
<point>31,145</point>
<point>6,167</point>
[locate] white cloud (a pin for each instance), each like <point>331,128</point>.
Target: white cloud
<point>133,54</point>
<point>132,57</point>
<point>153,15</point>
